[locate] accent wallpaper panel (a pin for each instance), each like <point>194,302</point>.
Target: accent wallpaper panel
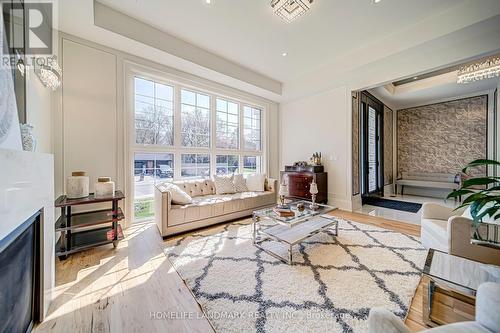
<point>442,137</point>
<point>388,146</point>
<point>356,96</point>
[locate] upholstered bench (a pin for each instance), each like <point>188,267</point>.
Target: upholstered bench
<point>429,180</point>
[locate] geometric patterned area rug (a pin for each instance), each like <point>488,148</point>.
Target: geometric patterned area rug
<point>331,287</point>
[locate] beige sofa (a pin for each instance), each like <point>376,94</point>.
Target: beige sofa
<point>207,208</point>
<point>448,230</point>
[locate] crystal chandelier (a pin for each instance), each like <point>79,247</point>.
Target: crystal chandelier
<point>289,10</point>
<point>486,69</point>
<point>50,74</point>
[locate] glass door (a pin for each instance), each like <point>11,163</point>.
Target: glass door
<point>372,150</point>
<point>371,146</point>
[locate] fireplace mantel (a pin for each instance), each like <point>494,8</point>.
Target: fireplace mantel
<point>27,186</point>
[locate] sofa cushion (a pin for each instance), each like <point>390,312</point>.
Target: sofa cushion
<point>179,197</point>
<point>256,182</point>
<point>434,234</point>
<point>215,205</point>
<point>224,184</point>
<point>196,187</point>
<point>240,184</point>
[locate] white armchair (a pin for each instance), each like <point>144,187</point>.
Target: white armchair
<point>448,230</point>
<point>487,318</point>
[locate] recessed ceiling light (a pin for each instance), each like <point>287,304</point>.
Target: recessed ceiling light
<point>376,1</point>
<point>284,54</point>
<point>208,2</point>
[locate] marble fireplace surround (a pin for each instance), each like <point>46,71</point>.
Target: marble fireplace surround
<point>27,186</point>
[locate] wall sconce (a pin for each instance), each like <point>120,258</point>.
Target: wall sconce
<point>49,73</point>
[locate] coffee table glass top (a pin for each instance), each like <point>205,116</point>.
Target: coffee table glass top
<point>299,217</point>
<point>459,271</point>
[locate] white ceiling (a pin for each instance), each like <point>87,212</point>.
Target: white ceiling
<point>336,41</point>
<point>247,32</point>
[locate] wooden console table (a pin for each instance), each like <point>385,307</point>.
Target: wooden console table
<point>81,231</point>
<point>450,285</point>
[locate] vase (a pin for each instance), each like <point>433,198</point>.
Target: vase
<point>104,188</point>
<point>28,139</point>
<point>77,185</point>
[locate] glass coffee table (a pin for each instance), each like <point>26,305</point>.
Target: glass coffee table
<point>290,231</point>
<point>451,284</point>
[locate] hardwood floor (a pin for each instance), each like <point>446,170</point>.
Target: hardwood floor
<point>130,289</point>
<point>135,289</point>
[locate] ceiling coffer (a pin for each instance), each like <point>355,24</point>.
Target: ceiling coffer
<point>289,10</point>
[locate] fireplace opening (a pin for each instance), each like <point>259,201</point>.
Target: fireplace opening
<point>21,292</point>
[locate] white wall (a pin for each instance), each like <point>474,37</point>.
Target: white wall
<point>321,124</point>
<point>39,111</point>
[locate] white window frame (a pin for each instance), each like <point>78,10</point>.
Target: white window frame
<point>178,82</point>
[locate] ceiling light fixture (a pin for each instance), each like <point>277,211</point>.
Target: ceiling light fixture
<point>486,69</point>
<point>208,2</point>
<point>289,10</point>
<point>284,54</point>
<point>376,1</point>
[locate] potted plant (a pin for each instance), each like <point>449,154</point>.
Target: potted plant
<point>484,203</point>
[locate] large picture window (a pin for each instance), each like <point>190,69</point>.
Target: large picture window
<point>195,119</point>
<point>227,164</point>
<point>185,133</point>
<point>251,164</point>
<point>252,124</point>
<point>228,121</point>
<point>195,165</point>
<point>154,113</point>
<point>149,170</point>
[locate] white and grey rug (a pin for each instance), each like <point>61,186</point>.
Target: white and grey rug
<point>330,288</point>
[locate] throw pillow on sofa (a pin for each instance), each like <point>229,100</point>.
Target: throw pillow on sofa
<point>224,184</point>
<point>256,182</point>
<point>179,197</point>
<point>240,184</point>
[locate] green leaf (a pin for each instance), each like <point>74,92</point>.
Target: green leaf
<point>474,197</point>
<point>489,212</point>
<point>476,208</point>
<point>479,181</point>
<point>458,193</point>
<point>479,162</point>
<point>494,188</point>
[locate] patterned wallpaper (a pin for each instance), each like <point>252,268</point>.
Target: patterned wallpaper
<point>442,137</point>
<point>388,151</point>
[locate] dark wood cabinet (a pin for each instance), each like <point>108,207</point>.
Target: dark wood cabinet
<point>74,227</point>
<point>299,182</point>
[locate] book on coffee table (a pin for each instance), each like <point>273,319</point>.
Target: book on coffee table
<point>283,212</point>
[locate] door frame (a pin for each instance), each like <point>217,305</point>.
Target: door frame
<point>368,100</point>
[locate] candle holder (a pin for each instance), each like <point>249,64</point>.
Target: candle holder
<point>313,189</point>
<point>283,193</point>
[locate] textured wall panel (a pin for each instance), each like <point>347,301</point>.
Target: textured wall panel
<point>442,137</point>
